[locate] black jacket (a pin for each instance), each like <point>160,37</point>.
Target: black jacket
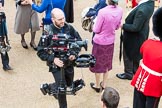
<point>136,29</point>
<point>48,55</point>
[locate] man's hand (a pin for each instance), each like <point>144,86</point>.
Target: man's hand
<point>72,57</point>
<point>58,62</point>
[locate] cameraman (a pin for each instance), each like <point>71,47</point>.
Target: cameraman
<point>59,26</point>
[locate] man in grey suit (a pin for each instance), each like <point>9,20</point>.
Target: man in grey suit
<point>135,32</point>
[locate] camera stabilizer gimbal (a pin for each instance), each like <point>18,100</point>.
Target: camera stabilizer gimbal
<point>63,47</point>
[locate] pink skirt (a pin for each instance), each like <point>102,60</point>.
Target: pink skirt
<point>104,56</point>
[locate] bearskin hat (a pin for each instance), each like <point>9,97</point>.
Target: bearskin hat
<point>157,22</point>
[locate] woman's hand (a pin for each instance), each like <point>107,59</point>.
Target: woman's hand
<point>29,2</point>
<point>24,2</point>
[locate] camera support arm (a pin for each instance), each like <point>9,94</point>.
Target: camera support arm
<point>62,85</point>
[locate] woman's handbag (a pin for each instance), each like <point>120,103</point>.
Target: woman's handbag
<point>87,24</point>
<point>88,16</point>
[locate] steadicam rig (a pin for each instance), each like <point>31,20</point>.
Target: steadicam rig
<point>76,86</point>
<point>62,46</point>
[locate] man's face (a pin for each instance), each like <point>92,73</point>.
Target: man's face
<point>59,21</point>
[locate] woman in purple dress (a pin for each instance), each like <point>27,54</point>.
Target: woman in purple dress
<point>108,20</point>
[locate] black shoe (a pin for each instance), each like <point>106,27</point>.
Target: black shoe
<point>124,76</point>
<point>102,88</point>
<point>24,45</point>
<point>94,88</point>
<point>33,46</point>
<point>7,67</point>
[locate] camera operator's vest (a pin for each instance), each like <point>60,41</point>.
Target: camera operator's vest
<point>54,30</point>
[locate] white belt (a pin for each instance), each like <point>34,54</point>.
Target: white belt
<point>150,71</point>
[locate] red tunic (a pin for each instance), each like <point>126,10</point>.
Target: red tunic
<point>150,82</point>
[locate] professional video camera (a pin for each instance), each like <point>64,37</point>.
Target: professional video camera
<point>63,43</point>
<point>63,46</point>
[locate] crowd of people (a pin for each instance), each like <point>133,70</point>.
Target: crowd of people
<point>142,57</point>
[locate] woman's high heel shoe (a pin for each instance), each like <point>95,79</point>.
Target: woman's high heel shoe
<point>24,45</point>
<point>94,88</point>
<point>102,88</point>
<point>33,46</point>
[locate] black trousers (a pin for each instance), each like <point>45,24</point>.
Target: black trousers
<point>5,59</point>
<point>130,66</point>
<point>67,78</point>
<point>142,101</point>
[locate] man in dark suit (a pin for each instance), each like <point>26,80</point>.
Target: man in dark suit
<point>135,32</point>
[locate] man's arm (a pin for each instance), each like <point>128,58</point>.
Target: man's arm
<point>43,52</point>
<point>74,34</point>
<point>138,22</point>
<point>48,55</point>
